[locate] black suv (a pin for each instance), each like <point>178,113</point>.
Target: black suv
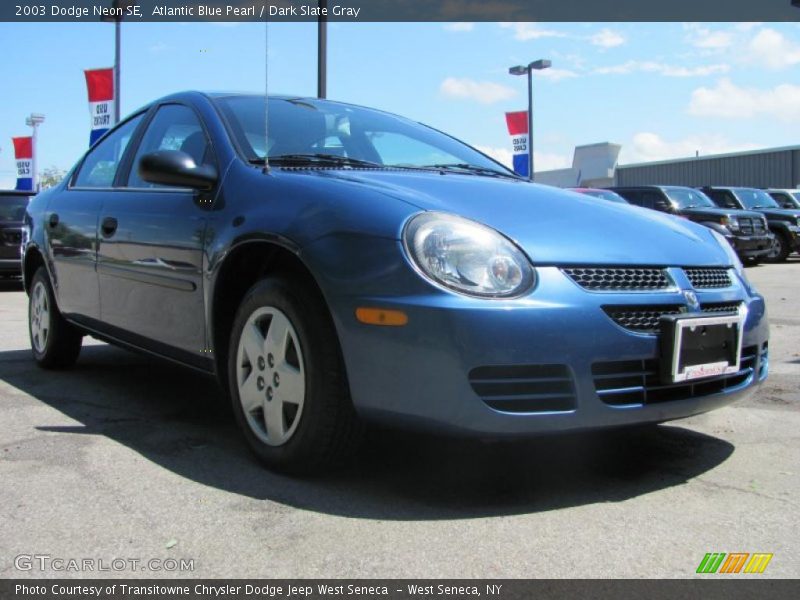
<point>12,212</point>
<point>745,230</point>
<point>784,223</point>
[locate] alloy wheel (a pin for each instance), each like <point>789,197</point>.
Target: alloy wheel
<point>777,247</point>
<point>270,376</point>
<point>39,316</point>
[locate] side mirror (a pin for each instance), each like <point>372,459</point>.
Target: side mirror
<point>175,168</point>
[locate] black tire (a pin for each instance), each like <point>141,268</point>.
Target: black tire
<point>61,345</point>
<point>328,430</point>
<point>781,249</point>
<point>752,261</point>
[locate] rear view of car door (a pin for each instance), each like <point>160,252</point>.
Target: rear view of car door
<point>71,223</point>
<point>150,257</point>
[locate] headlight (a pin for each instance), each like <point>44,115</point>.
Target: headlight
<point>467,257</point>
<point>731,223</point>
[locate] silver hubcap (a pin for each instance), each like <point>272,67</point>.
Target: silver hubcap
<point>270,376</point>
<point>777,247</point>
<point>39,315</point>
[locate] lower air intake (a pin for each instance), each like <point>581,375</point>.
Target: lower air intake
<point>525,388</point>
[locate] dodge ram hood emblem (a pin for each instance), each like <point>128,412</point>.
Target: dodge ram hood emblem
<point>691,299</point>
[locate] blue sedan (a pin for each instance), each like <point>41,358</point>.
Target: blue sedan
<point>345,265</point>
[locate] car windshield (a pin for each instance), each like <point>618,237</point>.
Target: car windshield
<point>12,207</point>
<point>796,196</point>
<point>317,129</point>
<point>606,195</point>
<point>688,198</point>
<point>756,199</point>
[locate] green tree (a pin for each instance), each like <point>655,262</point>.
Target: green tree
<point>50,177</point>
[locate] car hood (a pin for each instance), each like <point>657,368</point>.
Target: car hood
<point>779,214</point>
<point>553,226</point>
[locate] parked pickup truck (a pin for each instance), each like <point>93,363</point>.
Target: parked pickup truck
<point>12,212</point>
<point>786,198</point>
<point>746,231</point>
<point>784,223</point>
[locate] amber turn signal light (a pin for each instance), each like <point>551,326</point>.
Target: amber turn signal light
<point>381,316</point>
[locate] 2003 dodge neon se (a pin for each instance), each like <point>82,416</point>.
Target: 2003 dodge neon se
<point>379,269</point>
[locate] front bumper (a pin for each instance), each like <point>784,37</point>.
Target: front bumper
<point>752,246</point>
<point>794,234</point>
<point>11,266</point>
<point>432,373</point>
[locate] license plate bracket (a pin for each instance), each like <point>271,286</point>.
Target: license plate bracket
<point>698,347</point>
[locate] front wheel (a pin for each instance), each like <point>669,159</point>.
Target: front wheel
<point>287,381</point>
<point>54,342</point>
<point>780,250</point>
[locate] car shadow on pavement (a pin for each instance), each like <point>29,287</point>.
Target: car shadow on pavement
<point>175,418</point>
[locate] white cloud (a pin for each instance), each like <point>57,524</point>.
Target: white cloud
<point>158,48</point>
<point>700,36</point>
<point>543,161</point>
<point>771,49</point>
<point>607,38</point>
<point>638,66</point>
<point>727,100</point>
<point>647,146</point>
<point>485,92</point>
<point>554,74</point>
<point>501,155</point>
<point>701,71</point>
<point>459,26</point>
<point>531,31</point>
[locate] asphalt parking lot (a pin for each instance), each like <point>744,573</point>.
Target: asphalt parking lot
<point>127,457</point>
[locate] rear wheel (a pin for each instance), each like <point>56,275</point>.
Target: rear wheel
<point>781,248</point>
<point>54,342</point>
<point>287,382</point>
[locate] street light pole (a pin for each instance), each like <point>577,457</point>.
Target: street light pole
<point>118,8</point>
<point>117,67</point>
<point>537,65</point>
<point>322,50</point>
<point>34,121</point>
<point>530,124</point>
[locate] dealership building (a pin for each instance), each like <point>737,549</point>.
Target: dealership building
<point>595,165</point>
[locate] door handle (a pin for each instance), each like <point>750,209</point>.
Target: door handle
<point>53,222</point>
<point>108,226</point>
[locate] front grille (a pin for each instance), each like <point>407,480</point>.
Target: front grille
<point>620,383</point>
<point>619,278</point>
<point>708,277</point>
<point>721,307</point>
<point>524,388</point>
<point>12,237</point>
<point>746,225</point>
<point>759,226</point>
<point>641,318</point>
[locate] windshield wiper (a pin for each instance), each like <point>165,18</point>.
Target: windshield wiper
<point>465,167</point>
<point>319,158</point>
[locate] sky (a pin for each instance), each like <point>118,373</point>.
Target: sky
<point>661,90</point>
